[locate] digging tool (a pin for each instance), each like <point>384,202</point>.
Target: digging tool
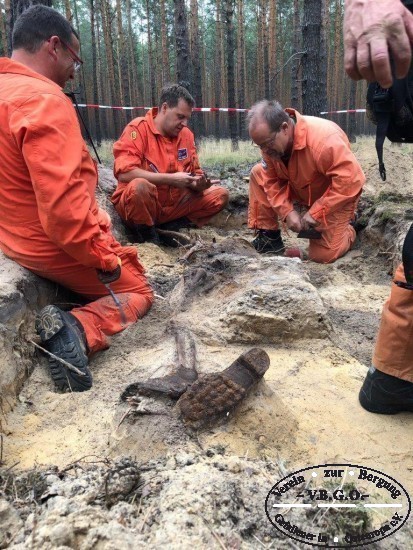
<point>309,234</point>
<point>118,305</point>
<point>107,277</point>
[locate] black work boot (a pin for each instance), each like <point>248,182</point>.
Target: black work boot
<point>146,234</point>
<point>385,394</point>
<point>63,335</point>
<point>269,240</point>
<point>176,225</point>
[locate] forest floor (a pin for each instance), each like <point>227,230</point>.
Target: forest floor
<point>207,488</point>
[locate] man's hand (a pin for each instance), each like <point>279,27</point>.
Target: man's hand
<point>293,221</point>
<point>308,222</point>
<point>182,180</point>
<point>372,28</point>
<point>203,182</point>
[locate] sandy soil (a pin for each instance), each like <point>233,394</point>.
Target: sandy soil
<point>306,410</point>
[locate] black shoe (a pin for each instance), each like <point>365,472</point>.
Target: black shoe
<point>176,225</point>
<point>146,234</point>
<point>268,240</point>
<point>385,394</point>
<point>63,335</point>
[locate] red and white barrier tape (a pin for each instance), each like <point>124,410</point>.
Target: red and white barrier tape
<point>199,109</point>
<point>207,109</point>
<point>344,111</point>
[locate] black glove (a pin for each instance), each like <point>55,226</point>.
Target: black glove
<point>107,277</point>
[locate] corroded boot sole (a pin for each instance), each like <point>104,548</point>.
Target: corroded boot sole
<point>214,395</point>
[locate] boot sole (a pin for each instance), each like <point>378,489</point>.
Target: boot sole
<point>48,324</point>
<point>215,395</point>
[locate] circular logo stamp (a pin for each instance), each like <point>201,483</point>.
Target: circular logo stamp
<point>338,505</point>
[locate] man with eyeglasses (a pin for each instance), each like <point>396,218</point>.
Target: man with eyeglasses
<point>50,222</point>
<point>309,179</point>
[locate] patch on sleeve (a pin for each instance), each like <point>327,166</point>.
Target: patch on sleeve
<point>133,135</point>
<point>264,164</point>
<point>182,154</point>
<point>153,167</point>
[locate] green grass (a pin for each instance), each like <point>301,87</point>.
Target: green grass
<point>214,152</point>
<point>211,152</point>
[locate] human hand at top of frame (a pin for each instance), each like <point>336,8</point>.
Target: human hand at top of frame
<point>374,29</point>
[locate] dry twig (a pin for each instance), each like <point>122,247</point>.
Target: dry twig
<point>65,363</point>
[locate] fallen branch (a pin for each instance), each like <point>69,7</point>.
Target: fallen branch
<point>199,245</point>
<point>65,363</point>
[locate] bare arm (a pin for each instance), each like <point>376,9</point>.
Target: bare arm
<point>178,179</point>
<point>372,30</point>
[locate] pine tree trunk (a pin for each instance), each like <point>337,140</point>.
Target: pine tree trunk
<point>104,116</point>
<point>217,67</point>
<point>296,61</point>
<point>198,125</point>
<point>272,53</point>
<point>152,64</point>
<point>183,64</point>
<point>164,45</point>
<point>240,64</point>
<point>107,35</point>
<point>229,16</point>
<point>314,84</point>
<point>95,99</point>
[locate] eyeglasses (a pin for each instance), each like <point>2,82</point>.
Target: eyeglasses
<point>77,62</point>
<point>267,143</point>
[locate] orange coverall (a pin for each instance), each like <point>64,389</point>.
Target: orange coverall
<point>50,222</point>
<point>141,202</point>
<point>393,353</point>
<point>322,175</point>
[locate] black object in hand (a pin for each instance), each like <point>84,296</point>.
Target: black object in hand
<point>309,234</point>
<point>107,277</point>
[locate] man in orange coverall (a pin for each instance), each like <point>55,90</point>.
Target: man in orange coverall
<point>50,222</point>
<point>158,172</point>
<point>372,29</point>
<point>307,162</point>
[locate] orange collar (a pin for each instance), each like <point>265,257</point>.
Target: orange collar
<point>150,117</point>
<point>300,129</point>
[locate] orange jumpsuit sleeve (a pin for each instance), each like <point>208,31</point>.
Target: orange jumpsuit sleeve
<point>47,131</point>
<point>336,160</point>
<point>129,149</point>
<point>277,190</point>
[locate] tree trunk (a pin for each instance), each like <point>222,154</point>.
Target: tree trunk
<point>108,40</point>
<point>152,63</point>
<point>272,47</point>
<point>296,61</point>
<point>229,15</point>
<point>196,67</point>
<point>240,64</point>
<point>164,45</point>
<point>217,67</point>
<point>95,100</point>
<point>183,64</point>
<point>314,85</point>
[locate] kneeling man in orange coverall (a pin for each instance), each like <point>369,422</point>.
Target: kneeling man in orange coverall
<point>50,222</point>
<point>160,182</point>
<point>309,179</point>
